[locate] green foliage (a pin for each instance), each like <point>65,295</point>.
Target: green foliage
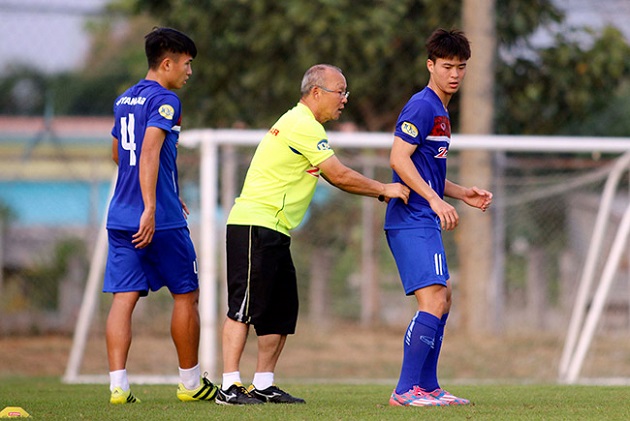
<point>518,19</point>
<point>562,85</point>
<point>23,92</point>
<point>31,92</point>
<point>317,237</point>
<point>253,54</point>
<point>114,63</point>
<point>7,214</point>
<point>611,119</point>
<point>42,281</point>
<point>90,95</point>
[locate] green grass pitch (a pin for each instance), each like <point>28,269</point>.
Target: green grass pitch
<point>50,399</point>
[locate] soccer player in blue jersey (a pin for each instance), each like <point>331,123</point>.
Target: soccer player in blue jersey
<point>418,159</point>
<point>149,241</point>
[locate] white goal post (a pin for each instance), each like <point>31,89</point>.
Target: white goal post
<point>209,141</point>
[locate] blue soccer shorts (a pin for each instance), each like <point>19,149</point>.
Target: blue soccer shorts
<point>419,255</point>
<point>168,261</point>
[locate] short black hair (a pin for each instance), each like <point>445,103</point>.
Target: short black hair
<point>161,41</point>
<point>448,44</point>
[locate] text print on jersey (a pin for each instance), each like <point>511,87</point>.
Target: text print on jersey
<point>126,100</point>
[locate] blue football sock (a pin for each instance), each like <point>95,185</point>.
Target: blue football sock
<point>428,374</point>
<point>419,340</point>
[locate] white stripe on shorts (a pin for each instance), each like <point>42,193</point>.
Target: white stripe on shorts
<point>439,268</point>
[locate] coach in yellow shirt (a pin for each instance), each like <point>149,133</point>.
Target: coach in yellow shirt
<point>278,188</point>
<point>283,174</point>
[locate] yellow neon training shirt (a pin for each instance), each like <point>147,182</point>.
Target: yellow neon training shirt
<point>283,174</point>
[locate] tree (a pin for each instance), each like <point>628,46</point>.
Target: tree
<point>475,234</point>
<point>559,87</point>
<point>115,60</point>
<point>253,54</point>
<point>24,92</point>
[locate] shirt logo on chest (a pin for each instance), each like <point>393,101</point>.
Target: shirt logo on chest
<point>441,132</point>
<point>442,152</point>
<point>441,128</point>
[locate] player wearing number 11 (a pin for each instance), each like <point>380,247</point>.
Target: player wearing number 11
<point>149,242</point>
<point>414,229</point>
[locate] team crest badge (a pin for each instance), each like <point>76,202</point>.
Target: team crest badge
<point>323,145</point>
<point>167,111</point>
<point>409,129</point>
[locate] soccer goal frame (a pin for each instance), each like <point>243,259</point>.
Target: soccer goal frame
<point>209,142</point>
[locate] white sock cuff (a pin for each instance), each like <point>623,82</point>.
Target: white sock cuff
<point>118,378</point>
<point>190,369</point>
<point>263,380</point>
<point>190,377</point>
<point>230,378</point>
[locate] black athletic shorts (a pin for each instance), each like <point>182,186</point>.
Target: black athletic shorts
<point>262,286</point>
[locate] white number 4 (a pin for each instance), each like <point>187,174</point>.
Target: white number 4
<point>128,137</point>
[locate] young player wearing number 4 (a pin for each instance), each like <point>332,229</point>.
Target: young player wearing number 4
<point>149,242</point>
<point>418,159</point>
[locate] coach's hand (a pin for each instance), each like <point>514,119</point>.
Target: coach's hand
<point>396,190</point>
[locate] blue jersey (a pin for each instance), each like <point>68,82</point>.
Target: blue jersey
<point>146,104</point>
<point>424,121</point>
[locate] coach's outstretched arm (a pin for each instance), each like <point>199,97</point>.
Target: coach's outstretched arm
<point>351,181</point>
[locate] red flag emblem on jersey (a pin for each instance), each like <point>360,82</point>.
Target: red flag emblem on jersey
<point>441,127</point>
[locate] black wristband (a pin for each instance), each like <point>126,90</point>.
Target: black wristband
<point>381,198</point>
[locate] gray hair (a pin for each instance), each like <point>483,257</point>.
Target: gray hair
<point>315,77</point>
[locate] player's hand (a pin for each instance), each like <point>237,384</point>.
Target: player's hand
<point>396,191</point>
<point>144,236</point>
<point>449,219</point>
<point>186,212</point>
<point>478,198</point>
